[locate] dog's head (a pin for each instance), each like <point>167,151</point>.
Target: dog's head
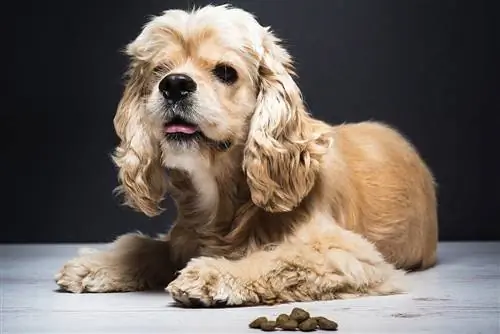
<point>204,83</point>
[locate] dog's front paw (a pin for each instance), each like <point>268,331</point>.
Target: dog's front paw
<point>80,275</point>
<point>93,272</point>
<point>206,282</point>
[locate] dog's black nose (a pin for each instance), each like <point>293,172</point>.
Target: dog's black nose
<point>175,87</point>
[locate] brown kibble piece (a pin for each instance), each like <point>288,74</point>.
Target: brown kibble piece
<point>299,314</point>
<point>326,324</point>
<point>308,325</point>
<point>282,318</point>
<point>289,325</point>
<point>257,322</point>
<point>268,326</point>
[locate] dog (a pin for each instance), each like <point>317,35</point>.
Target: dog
<point>273,205</point>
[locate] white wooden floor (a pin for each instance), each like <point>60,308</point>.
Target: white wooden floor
<point>460,295</point>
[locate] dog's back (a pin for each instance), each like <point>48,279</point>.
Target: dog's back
<point>386,192</point>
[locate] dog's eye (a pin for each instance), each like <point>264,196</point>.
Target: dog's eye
<point>225,73</point>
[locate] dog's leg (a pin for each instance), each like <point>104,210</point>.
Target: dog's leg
<point>133,263</point>
<point>316,264</point>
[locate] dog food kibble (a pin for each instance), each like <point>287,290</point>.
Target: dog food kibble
<point>297,319</point>
<point>282,318</point>
<point>299,314</point>
<point>289,325</point>
<point>268,326</point>
<point>257,322</point>
<point>308,325</point>
<point>326,324</point>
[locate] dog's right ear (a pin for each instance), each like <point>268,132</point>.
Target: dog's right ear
<point>138,156</point>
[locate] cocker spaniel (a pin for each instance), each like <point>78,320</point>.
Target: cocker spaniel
<point>273,205</point>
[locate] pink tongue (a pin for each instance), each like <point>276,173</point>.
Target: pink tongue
<point>181,128</point>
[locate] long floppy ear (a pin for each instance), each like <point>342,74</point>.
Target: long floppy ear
<point>285,144</point>
<point>138,156</point>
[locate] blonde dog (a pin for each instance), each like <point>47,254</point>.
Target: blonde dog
<point>273,205</point>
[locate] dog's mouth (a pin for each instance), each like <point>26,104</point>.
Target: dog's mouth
<point>180,129</point>
<point>179,126</point>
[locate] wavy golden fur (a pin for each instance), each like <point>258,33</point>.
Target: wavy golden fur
<point>273,205</point>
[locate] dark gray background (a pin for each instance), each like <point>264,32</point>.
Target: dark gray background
<point>427,67</point>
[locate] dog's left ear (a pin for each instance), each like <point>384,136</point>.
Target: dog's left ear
<point>285,144</point>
